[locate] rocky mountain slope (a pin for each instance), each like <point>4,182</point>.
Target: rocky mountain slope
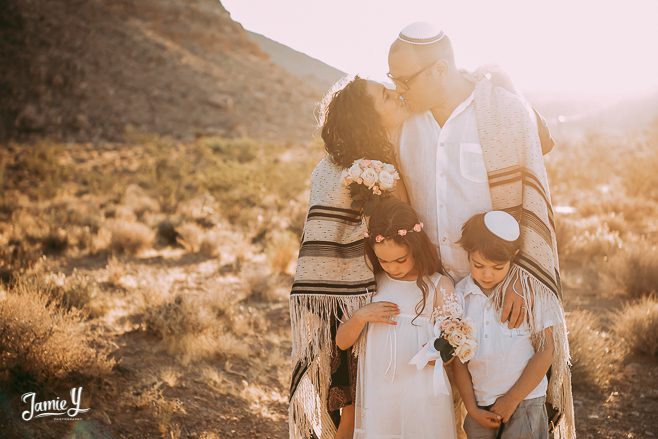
<point>91,69</point>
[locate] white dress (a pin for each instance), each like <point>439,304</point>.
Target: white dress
<point>394,398</point>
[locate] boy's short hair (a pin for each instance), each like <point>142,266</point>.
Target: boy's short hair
<point>476,237</point>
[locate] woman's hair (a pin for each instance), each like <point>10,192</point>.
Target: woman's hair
<point>476,237</point>
<point>352,128</point>
<point>391,215</point>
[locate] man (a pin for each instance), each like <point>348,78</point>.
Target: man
<point>474,145</point>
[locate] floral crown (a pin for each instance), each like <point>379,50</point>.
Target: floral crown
<point>401,232</point>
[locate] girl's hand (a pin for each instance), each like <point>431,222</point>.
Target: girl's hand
<point>505,407</point>
<point>485,418</point>
<point>378,312</point>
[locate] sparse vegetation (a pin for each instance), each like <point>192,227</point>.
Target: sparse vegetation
<point>636,325</point>
<point>42,343</point>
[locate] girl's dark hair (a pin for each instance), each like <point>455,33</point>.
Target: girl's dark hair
<point>476,237</point>
<point>391,215</point>
<point>352,128</point>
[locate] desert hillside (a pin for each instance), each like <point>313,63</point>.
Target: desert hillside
<point>88,70</point>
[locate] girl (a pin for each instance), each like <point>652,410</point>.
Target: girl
<point>394,399</point>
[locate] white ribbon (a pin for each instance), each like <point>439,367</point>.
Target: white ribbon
<point>439,376</point>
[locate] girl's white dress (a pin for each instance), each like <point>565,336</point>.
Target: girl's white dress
<point>394,398</point>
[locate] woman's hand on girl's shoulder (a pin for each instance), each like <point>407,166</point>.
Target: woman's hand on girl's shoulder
<point>378,312</point>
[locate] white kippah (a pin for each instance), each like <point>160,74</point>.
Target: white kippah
<point>421,33</point>
<point>502,224</point>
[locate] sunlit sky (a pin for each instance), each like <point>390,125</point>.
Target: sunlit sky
<point>571,46</point>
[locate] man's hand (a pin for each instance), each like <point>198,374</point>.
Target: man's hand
<point>505,407</point>
<point>514,308</point>
<point>485,418</point>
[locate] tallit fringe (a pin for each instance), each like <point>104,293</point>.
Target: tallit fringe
<point>308,406</point>
<point>310,317</point>
<point>559,387</point>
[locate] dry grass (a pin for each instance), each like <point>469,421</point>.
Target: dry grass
<point>163,409</point>
<point>195,239</point>
<point>42,343</point>
<point>635,269</point>
<point>130,238</point>
<point>592,350</point>
<point>637,326</point>
<point>190,330</point>
<point>281,251</point>
<point>257,279</point>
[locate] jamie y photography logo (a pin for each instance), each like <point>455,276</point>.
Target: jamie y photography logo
<point>54,407</point>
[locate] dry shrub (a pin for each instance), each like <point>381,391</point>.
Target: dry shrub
<point>639,172</point>
<point>594,240</point>
<point>191,331</point>
<point>130,237</point>
<point>636,324</point>
<point>195,239</point>
<point>163,409</point>
<point>592,351</point>
<point>75,291</point>
<point>256,278</point>
<point>42,343</point>
<point>635,269</point>
<point>114,270</point>
<point>281,251</point>
<point>138,201</point>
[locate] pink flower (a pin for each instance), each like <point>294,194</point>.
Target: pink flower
<point>379,238</point>
<point>366,235</point>
<point>402,232</point>
<point>418,227</point>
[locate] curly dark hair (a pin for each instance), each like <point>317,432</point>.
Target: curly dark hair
<point>352,128</point>
<point>391,215</point>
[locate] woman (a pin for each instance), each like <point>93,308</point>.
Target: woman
<point>332,279</point>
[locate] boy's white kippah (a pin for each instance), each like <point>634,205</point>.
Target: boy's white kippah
<point>503,225</point>
<point>421,33</point>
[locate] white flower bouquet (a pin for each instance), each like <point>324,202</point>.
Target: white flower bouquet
<point>455,335</point>
<point>369,179</point>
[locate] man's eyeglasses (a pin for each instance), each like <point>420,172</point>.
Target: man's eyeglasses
<point>404,82</point>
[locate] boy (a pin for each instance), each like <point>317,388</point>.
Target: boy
<point>504,385</point>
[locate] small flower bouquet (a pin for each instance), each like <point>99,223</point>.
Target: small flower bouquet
<point>455,335</point>
<point>369,179</point>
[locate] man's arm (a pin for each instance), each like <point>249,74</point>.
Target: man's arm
<point>515,309</point>
<point>532,375</point>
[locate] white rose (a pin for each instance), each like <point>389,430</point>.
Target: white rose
<point>456,338</point>
<point>369,177</point>
<point>354,172</point>
<point>386,180</point>
<point>466,350</point>
<point>389,168</point>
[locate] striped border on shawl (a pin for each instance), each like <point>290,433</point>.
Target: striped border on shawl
<point>331,249</point>
<point>312,287</point>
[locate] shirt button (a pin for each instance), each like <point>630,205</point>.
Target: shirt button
<point>444,239</point>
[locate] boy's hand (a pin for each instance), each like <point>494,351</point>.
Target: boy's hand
<point>378,312</point>
<point>505,406</point>
<point>485,418</point>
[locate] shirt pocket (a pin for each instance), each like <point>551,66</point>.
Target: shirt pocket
<point>471,162</point>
